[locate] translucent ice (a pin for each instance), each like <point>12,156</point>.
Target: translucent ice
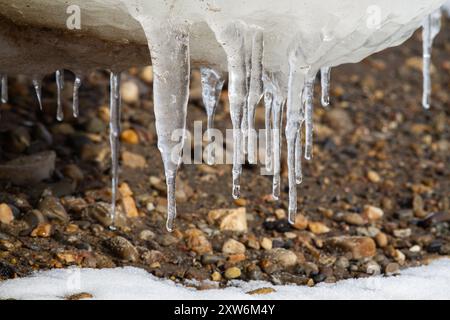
<point>75,100</point>
<point>4,85</point>
<point>114,128</point>
<point>325,77</point>
<point>59,74</point>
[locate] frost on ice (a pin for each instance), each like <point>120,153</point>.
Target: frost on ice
<point>270,50</point>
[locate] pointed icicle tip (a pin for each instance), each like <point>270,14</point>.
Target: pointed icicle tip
<point>37,84</point>
<point>75,100</point>
<point>4,90</point>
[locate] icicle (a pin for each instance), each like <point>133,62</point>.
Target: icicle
<point>268,100</point>
<point>4,93</point>
<point>277,118</point>
<point>430,28</point>
<point>325,76</point>
<point>169,50</point>
<point>255,91</point>
<point>295,116</point>
<point>298,155</point>
<point>114,128</point>
<point>212,84</point>
<point>37,84</point>
<point>248,48</point>
<point>308,96</point>
<point>232,39</point>
<point>75,102</point>
<point>60,85</point>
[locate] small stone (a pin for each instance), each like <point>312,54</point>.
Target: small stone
<point>167,240</point>
<point>232,246</point>
<point>129,91</point>
<point>152,257</point>
<point>266,243</point>
<point>402,233</point>
<point>146,74</point>
<point>133,160</point>
<point>342,262</point>
<point>236,258</point>
<point>259,291</point>
<point>252,242</point>
<point>391,268</point>
<point>79,296</point>
<point>241,202</point>
<point>232,273</point>
<point>283,257</point>
<point>42,231</point>
<point>6,214</point>
<point>6,245</point>
<point>415,248</point>
<point>230,219</point>
<point>399,257</point>
<point>72,228</point>
<point>372,268</point>
<point>197,242</point>
<point>280,213</point>
<point>301,222</point>
<point>146,235</point>
<point>216,276</point>
<point>52,208</point>
<point>129,207</point>
<point>354,219</point>
<point>359,247</point>
<point>373,176</point>
<point>129,136</point>
<point>372,213</point>
<point>318,227</point>
<point>381,239</point>
<point>418,206</point>
<point>73,172</point>
<point>123,249</point>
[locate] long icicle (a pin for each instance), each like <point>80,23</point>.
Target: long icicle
<point>430,28</point>
<point>255,92</point>
<point>299,155</point>
<point>295,116</point>
<point>114,128</point>
<point>277,118</point>
<point>169,49</point>
<point>212,83</point>
<point>308,95</point>
<point>37,84</point>
<point>268,102</point>
<point>75,100</point>
<point>4,93</point>
<point>59,86</point>
<point>325,78</point>
<point>248,49</point>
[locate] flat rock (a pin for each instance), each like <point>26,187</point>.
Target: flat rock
<point>230,219</point>
<point>359,247</point>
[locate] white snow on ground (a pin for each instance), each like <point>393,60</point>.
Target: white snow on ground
<point>426,282</point>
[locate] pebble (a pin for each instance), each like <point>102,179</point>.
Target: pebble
<point>358,247</point>
<point>253,243</point>
<point>260,291</point>
<point>415,248</point>
<point>167,240</point>
<point>372,268</point>
<point>266,243</point>
<point>129,207</point>
<point>230,219</point>
<point>52,208</point>
<point>402,233</point>
<point>283,257</point>
<point>123,248</point>
<point>354,219</point>
<point>373,176</point>
<point>339,120</point>
<point>79,296</point>
<point>73,172</point>
<point>232,246</point>
<point>197,241</point>
<point>301,222</point>
<point>146,74</point>
<point>100,212</point>
<point>42,231</point>
<point>129,91</point>
<point>129,136</point>
<point>418,206</point>
<point>381,239</point>
<point>318,227</point>
<point>372,213</point>
<point>211,259</point>
<point>399,257</point>
<point>216,276</point>
<point>6,214</point>
<point>280,213</point>
<point>150,257</point>
<point>232,273</point>
<point>133,160</point>
<point>6,245</point>
<point>146,235</point>
<point>34,218</point>
<point>342,262</point>
<point>391,268</point>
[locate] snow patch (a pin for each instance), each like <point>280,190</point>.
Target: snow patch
<point>426,282</point>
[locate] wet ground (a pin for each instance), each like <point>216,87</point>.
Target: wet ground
<point>375,197</point>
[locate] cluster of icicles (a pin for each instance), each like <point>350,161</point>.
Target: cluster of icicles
<point>254,84</point>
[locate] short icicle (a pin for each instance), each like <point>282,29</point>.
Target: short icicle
<point>169,50</point>
<point>308,99</point>
<point>325,78</point>
<point>299,155</point>
<point>255,92</point>
<point>212,83</point>
<point>37,84</point>
<point>4,93</point>
<point>430,28</point>
<point>60,86</point>
<point>75,100</point>
<point>114,131</point>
